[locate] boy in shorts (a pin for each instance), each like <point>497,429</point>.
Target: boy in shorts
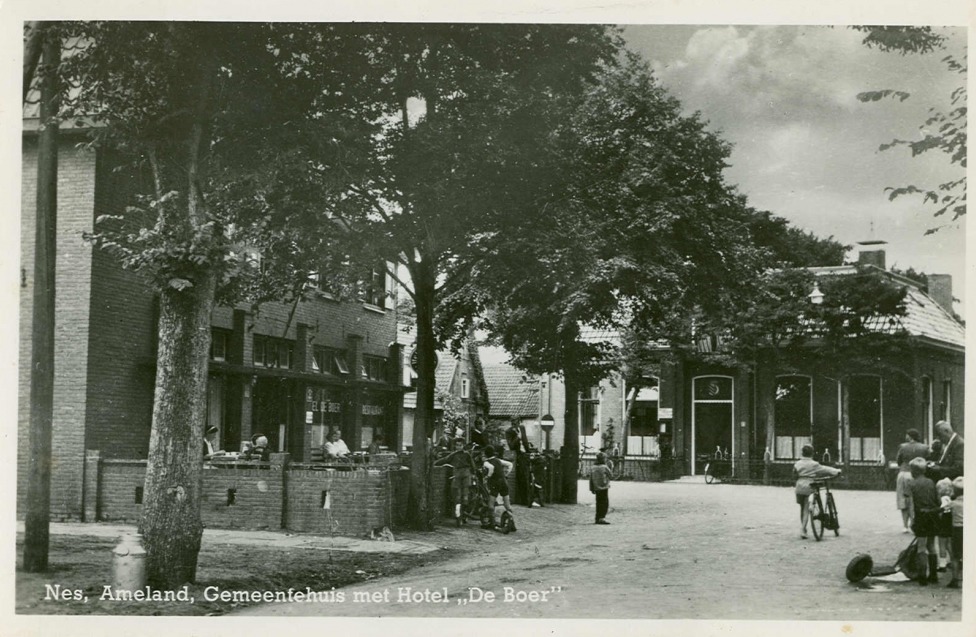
<point>496,470</point>
<point>462,464</point>
<point>806,470</point>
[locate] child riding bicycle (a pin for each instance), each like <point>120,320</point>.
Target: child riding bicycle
<point>806,470</point>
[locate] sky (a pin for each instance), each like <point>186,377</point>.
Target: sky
<point>804,147</point>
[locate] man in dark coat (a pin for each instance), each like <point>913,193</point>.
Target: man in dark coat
<point>950,464</point>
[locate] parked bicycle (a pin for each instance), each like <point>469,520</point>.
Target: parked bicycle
<point>584,449</point>
<point>718,468</point>
<point>823,511</point>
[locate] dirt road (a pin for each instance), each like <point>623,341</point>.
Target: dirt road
<point>677,550</point>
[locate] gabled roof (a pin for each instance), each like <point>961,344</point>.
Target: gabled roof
<point>443,376</point>
<point>511,392</point>
<point>594,335</point>
<point>924,317</point>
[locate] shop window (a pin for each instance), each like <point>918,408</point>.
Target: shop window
<point>589,419</point>
<point>325,406</point>
<point>642,439</point>
<point>865,415</point>
<point>273,352</point>
<point>792,417</point>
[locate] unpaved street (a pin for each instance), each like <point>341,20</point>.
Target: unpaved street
<point>676,550</point>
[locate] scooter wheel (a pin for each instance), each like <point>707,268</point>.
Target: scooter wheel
<point>859,567</point>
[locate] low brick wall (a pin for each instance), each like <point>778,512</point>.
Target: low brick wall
<point>265,495</point>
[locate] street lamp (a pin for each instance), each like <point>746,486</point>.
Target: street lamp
<point>816,297</point>
<point>547,423</point>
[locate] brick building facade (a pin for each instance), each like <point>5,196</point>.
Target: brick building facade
<point>288,373</point>
<point>773,409</point>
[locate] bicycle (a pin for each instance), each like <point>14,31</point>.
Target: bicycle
<point>583,449</point>
<point>721,469</point>
<point>823,517</point>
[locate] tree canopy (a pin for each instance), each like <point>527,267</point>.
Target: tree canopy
<point>945,130</point>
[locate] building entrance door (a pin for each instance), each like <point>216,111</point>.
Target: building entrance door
<point>712,420</point>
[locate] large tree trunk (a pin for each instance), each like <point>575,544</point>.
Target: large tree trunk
<point>171,522</point>
<point>38,516</point>
<point>421,517</point>
<point>570,451</point>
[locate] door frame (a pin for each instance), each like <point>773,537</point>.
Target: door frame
<point>694,423</point>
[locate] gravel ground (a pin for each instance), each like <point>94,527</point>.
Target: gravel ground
<point>675,550</point>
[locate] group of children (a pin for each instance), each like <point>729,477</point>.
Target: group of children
<point>937,512</point>
<point>495,471</point>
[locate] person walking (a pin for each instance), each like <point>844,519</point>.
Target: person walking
<point>925,501</point>
<point>600,476</point>
<point>806,470</point>
<point>912,448</point>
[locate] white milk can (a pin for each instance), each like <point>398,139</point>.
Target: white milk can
<point>129,563</point>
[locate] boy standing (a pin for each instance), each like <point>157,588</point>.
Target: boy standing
<point>926,525</point>
<point>462,464</point>
<point>956,550</point>
<point>600,486</point>
<point>496,471</point>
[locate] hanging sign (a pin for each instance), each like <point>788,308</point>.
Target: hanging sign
<point>415,359</point>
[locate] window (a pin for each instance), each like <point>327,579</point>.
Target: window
<point>865,415</point>
<point>374,368</point>
<point>325,405</point>
<point>218,345</point>
<point>792,417</point>
<point>273,352</point>
<point>589,419</point>
<point>946,401</point>
<point>642,438</point>
<point>374,287</point>
<point>465,388</point>
<point>326,360</point>
<point>927,420</point>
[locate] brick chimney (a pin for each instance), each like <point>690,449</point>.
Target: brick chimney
<point>940,289</point>
<point>872,253</point>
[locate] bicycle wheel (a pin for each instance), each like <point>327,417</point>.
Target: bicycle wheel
<point>709,474</point>
<point>832,511</point>
<point>816,516</point>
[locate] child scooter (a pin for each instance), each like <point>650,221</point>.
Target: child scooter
<point>863,566</point>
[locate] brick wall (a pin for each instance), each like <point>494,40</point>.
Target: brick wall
<point>121,352</point>
<point>76,195</point>
<point>357,501</point>
<point>266,496</point>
